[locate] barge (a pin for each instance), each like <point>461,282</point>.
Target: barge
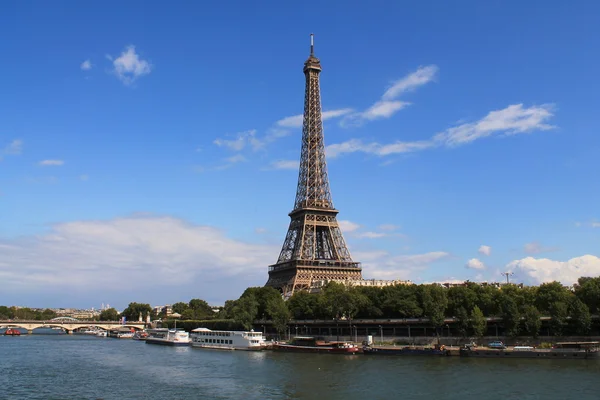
<point>306,344</point>
<point>561,350</point>
<point>406,351</point>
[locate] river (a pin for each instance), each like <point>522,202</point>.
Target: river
<point>87,367</point>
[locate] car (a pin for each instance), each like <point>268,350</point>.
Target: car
<point>496,345</point>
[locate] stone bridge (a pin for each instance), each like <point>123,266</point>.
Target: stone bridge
<point>69,324</point>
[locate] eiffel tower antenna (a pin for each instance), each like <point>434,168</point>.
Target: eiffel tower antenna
<point>314,248</point>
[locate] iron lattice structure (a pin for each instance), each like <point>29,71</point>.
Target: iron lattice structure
<point>314,248</point>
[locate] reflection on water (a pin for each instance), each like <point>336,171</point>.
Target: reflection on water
<point>87,367</point>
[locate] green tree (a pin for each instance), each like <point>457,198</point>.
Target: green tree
<point>179,307</point>
<point>510,314</point>
<point>372,306</point>
<point>399,301</point>
<point>434,302</point>
<point>478,322</point>
<point>580,315</point>
<point>201,309</point>
<point>461,299</point>
<point>304,305</point>
<point>462,321</point>
<point>133,311</point>
<point>280,314</point>
<point>110,314</point>
<point>5,313</point>
<point>531,322</point>
<point>588,291</point>
<point>558,313</point>
<point>244,311</point>
<point>550,293</point>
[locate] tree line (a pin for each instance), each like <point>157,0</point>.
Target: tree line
<point>518,307</point>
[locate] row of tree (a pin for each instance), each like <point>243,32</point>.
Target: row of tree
<point>195,309</point>
<point>519,308</point>
<point>25,313</point>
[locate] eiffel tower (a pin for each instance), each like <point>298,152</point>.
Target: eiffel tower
<point>314,248</point>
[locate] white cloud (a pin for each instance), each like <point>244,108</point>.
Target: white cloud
<point>86,65</point>
<point>295,121</point>
<point>356,145</point>
<point>382,265</point>
<point>129,66</point>
<point>539,270</point>
<point>537,248</point>
<point>241,141</point>
<point>388,105</point>
<point>84,177</point>
<point>474,263</point>
<point>485,250</point>
<point>140,253</point>
<point>285,164</point>
<point>14,148</point>
<point>47,163</point>
<point>371,235</point>
<point>235,159</point>
<point>412,81</point>
<point>511,120</point>
<point>595,224</point>
<point>389,227</point>
<point>348,226</point>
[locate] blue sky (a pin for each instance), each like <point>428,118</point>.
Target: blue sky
<point>149,152</point>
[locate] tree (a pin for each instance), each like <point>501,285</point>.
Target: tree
<point>201,309</point>
<point>179,307</point>
<point>580,315</point>
<point>559,313</point>
<point>462,321</point>
<point>531,323</point>
<point>478,322</point>
<point>304,305</point>
<point>434,303</point>
<point>244,311</point>
<point>588,291</point>
<point>510,314</point>
<point>461,298</point>
<point>399,301</point>
<point>280,314</point>
<point>134,310</point>
<point>550,293</point>
<point>110,314</point>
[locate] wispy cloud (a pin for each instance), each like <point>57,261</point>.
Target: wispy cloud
<point>389,227</point>
<point>48,163</point>
<point>128,67</point>
<point>295,121</point>
<point>285,164</point>
<point>537,248</point>
<point>485,250</point>
<point>348,226</point>
<point>382,265</point>
<point>14,148</point>
<point>511,120</point>
<point>86,65</point>
<point>84,177</point>
<point>474,263</point>
<point>241,140</point>
<point>389,104</point>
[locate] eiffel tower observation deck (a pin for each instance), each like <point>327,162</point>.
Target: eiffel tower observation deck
<point>314,248</point>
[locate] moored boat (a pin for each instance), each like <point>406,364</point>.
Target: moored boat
<point>227,340</point>
<point>12,332</point>
<point>406,350</point>
<point>140,335</point>
<point>561,350</point>
<point>121,333</point>
<point>307,344</point>
<point>169,337</point>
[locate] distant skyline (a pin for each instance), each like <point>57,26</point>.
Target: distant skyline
<point>149,152</point>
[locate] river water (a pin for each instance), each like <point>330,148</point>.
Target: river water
<point>87,367</point>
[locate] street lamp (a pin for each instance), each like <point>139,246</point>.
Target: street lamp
<point>381,332</point>
<point>355,333</point>
<point>296,330</point>
<point>448,327</point>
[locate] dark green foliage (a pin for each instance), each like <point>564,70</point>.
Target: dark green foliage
<point>134,310</point>
<point>434,301</point>
<point>580,315</point>
<point>109,314</point>
<point>478,322</point>
<point>531,322</point>
<point>588,291</point>
<point>214,324</point>
<point>558,312</point>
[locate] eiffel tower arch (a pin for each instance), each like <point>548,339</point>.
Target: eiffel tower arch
<point>314,248</point>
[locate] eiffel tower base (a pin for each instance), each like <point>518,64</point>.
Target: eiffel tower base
<point>291,280</point>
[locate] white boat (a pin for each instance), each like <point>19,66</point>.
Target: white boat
<point>227,340</point>
<point>101,333</point>
<point>169,337</point>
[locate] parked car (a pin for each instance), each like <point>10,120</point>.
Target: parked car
<point>496,345</point>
